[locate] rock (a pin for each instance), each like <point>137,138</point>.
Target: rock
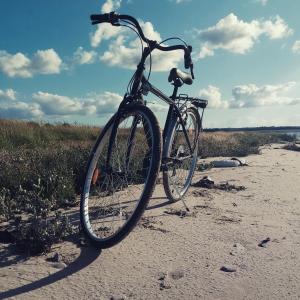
<point>226,163</point>
<point>55,258</point>
<point>205,182</point>
<point>59,265</point>
<point>264,242</point>
<point>164,285</point>
<point>237,249</point>
<point>161,276</point>
<point>228,269</point>
<point>177,274</point>
<point>117,298</point>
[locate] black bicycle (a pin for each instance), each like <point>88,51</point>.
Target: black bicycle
<point>130,152</point>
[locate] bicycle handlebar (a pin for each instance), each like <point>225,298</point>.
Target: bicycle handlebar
<point>114,18</point>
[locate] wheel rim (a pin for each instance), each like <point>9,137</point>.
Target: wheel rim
<point>110,203</point>
<point>181,168</point>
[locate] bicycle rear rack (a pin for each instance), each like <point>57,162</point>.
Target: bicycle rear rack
<point>200,103</point>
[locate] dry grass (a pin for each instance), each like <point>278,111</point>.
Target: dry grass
<point>43,166</point>
<point>31,134</point>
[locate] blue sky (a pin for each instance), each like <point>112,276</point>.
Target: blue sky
<point>55,66</point>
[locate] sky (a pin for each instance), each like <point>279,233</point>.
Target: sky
<point>56,67</point>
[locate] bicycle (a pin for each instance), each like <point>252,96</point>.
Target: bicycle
<point>130,152</point>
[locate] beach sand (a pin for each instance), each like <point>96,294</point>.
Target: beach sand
<point>173,256</point>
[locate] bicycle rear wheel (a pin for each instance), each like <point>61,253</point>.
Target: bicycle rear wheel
<point>120,178</point>
<point>180,162</point>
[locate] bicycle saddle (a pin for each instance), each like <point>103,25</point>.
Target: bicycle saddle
<point>176,73</point>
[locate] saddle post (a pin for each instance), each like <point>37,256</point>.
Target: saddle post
<point>177,84</point>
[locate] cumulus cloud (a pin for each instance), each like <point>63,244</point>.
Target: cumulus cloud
<point>238,36</point>
<point>20,110</point>
<point>180,1</point>
<point>262,2</point>
<point>45,105</point>
<point>111,5</point>
<point>103,32</point>
<point>106,31</point>
<point>93,104</point>
<point>296,47</point>
<point>11,108</point>
<point>251,95</point>
<point>8,94</point>
<point>105,103</point>
<point>46,62</point>
<point>19,65</point>
<point>214,97</point>
<point>125,51</point>
<point>82,57</point>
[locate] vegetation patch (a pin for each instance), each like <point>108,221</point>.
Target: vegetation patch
<point>42,172</point>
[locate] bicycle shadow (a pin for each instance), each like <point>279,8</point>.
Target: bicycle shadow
<point>86,257</point>
<point>159,204</point>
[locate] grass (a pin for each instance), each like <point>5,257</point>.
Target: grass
<point>15,134</point>
<point>43,166</point>
<point>238,143</point>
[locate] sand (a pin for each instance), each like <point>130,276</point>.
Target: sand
<point>211,253</point>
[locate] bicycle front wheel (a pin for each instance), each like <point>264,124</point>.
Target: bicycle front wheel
<point>180,161</point>
<point>121,176</point>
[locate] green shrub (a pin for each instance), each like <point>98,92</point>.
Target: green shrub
<point>38,234</point>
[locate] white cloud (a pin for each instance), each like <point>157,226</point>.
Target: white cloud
<point>296,47</point>
<point>180,1</point>
<point>238,36</point>
<point>15,65</point>
<point>8,94</point>
<point>19,65</point>
<point>251,95</point>
<point>110,5</point>
<point>262,2</point>
<point>104,31</point>
<point>94,104</point>
<point>125,51</point>
<point>214,97</point>
<point>276,28</point>
<point>52,105</point>
<point>20,110</point>
<point>82,56</point>
<point>46,62</point>
<point>11,108</point>
<point>105,103</point>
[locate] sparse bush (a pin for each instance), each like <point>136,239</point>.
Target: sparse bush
<point>38,234</point>
<point>237,143</point>
<point>35,183</point>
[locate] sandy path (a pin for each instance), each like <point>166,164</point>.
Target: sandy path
<point>168,257</point>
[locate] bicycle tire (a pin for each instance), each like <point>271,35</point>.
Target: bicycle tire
<point>150,178</point>
<point>173,190</point>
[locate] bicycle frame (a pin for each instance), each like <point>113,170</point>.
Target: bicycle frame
<point>141,86</point>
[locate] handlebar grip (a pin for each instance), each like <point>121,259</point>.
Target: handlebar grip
<point>105,18</point>
<point>187,57</point>
<point>100,18</point>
